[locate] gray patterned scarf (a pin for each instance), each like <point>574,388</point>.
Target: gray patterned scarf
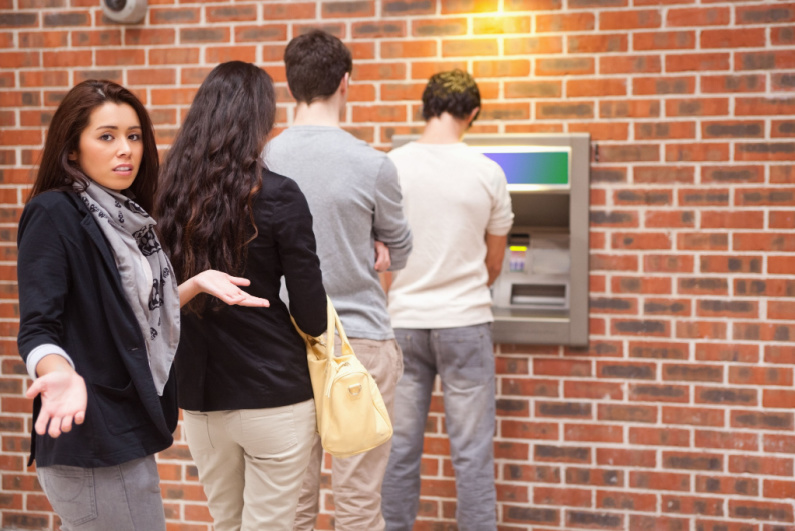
<point>146,273</point>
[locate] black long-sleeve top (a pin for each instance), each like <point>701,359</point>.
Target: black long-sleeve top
<point>249,358</point>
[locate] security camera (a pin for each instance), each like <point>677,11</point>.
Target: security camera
<point>125,11</point>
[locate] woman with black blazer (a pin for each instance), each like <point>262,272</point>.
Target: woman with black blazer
<point>243,379</point>
<point>99,314</point>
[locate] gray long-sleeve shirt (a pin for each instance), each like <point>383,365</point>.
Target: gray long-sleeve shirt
<point>354,196</point>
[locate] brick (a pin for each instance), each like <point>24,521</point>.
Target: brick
<point>764,60</point>
<point>348,9</point>
<point>573,410</point>
<point>267,32</point>
<point>159,15</point>
<point>613,306</point>
<point>782,151</point>
<point>659,436</point>
<point>670,219</point>
<point>692,505</point>
<point>236,13</point>
<point>204,35</point>
<point>778,443</point>
<point>758,465</point>
<point>531,5</point>
<point>627,413</point>
<point>561,454</point>
<point>626,458</point>
<point>700,16</point>
<point>601,43</point>
<point>657,350</point>
<point>706,197</point>
<point>597,477</point>
<point>733,38</point>
<point>644,86</point>
<point>731,353</point>
<point>727,485</point>
<point>528,515</point>
<point>439,27</point>
<point>658,393</point>
<point>288,10</point>
<point>780,174</point>
<point>620,218</point>
<point>697,107</point>
<point>563,111</point>
<point>702,151</point>
<point>518,89</point>
<point>664,130</point>
<point>782,128</point>
<point>567,497</point>
<point>501,25</point>
<point>762,420</point>
<point>619,262</point>
<point>602,131</point>
<point>528,430</point>
<point>647,240</point>
<point>44,78</point>
<point>564,66</point>
<point>19,20</point>
<point>173,56</point>
<point>664,40</point>
<point>778,398</point>
<point>730,264</point>
<point>701,330</point>
<point>733,129</point>
<point>469,6</point>
<point>532,45</point>
<point>697,62</point>
<point>766,14</point>
<point>565,22</point>
<point>532,473</point>
<point>664,174</point>
<point>594,520</point>
<point>506,111</point>
<point>469,47</point>
<point>579,88</point>
<point>641,285</point>
<point>692,373</point>
<point>594,432</point>
<point>629,19</point>
<point>630,64</point>
<point>376,29</point>
<point>626,501</point>
<point>626,370</point>
<point>733,83</point>
<point>659,481</point>
<point>782,242</point>
<point>630,153</point>
<point>120,57</point>
<point>747,509</point>
<point>695,416</point>
<point>727,440</point>
<point>336,29</point>
<point>149,36</point>
<point>629,109</point>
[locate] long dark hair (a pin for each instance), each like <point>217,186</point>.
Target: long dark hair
<point>213,171</point>
<point>57,172</point>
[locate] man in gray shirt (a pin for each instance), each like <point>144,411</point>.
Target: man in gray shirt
<point>354,196</point>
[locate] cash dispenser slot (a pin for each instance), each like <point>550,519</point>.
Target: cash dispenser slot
<point>539,295</point>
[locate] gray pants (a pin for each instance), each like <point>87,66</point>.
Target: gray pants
<point>125,497</point>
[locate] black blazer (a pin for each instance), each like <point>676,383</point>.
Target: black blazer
<point>70,295</point>
<point>251,358</point>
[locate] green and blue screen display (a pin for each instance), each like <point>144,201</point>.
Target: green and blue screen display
<point>528,166</point>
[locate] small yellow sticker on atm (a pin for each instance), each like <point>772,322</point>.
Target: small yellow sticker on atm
<point>521,248</point>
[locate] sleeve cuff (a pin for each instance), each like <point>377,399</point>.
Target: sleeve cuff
<point>39,352</point>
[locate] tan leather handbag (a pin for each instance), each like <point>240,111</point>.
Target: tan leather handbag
<point>351,415</point>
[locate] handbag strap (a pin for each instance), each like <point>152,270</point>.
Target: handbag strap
<point>334,322</point>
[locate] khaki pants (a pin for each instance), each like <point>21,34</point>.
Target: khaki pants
<point>251,463</point>
<point>356,480</point>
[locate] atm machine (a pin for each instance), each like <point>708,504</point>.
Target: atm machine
<point>541,296</point>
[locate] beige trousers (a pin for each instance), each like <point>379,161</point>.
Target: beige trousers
<point>356,480</point>
<point>251,463</point>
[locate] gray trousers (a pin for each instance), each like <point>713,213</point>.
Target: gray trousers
<point>125,497</point>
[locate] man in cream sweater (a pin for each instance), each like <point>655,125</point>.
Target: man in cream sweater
<point>458,206</point>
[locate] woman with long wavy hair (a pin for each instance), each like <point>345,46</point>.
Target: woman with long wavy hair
<point>243,380</point>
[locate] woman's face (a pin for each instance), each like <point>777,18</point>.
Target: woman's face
<point>111,146</point>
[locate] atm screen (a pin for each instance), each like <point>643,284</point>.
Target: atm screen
<point>527,167</point>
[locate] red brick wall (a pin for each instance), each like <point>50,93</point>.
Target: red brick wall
<point>679,416</point>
